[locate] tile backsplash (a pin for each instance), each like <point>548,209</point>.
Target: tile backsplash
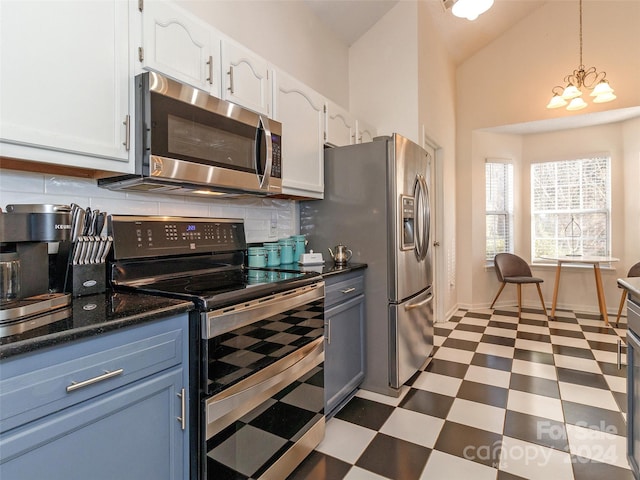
<point>265,219</point>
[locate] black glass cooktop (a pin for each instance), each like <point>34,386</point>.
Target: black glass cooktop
<point>217,289</point>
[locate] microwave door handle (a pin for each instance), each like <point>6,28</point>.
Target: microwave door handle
<point>263,124</point>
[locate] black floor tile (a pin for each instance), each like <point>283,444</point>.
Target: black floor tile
<point>445,367</point>
<point>602,329</point>
<point>484,316</point>
<point>429,403</point>
<point>573,352</point>
<point>579,377</point>
<point>497,340</point>
<point>394,458</point>
<point>505,313</point>
<point>460,344</point>
<point>613,370</point>
<point>468,327</point>
<point>621,400</point>
<point>538,430</point>
<point>537,385</point>
<point>595,418</point>
<point>365,413</point>
<point>482,393</point>
<point>534,322</point>
<point>585,469</point>
<point>531,356</point>
<point>318,466</point>
<point>505,325</point>
<point>492,361</point>
<point>604,346</point>
<point>508,476</point>
<point>561,332</point>
<point>534,337</point>
<point>467,442</point>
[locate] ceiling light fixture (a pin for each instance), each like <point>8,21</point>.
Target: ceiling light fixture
<point>469,9</point>
<point>589,78</point>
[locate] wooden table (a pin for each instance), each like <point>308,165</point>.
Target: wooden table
<point>582,259</point>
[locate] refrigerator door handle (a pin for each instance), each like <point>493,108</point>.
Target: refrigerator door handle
<point>411,306</point>
<point>422,201</point>
<point>419,244</point>
<point>426,218</point>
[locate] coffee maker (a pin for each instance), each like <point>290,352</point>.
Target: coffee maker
<point>33,242</point>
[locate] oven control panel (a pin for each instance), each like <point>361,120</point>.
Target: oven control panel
<point>151,236</point>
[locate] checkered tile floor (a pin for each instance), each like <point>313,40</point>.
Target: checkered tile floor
<point>503,398</point>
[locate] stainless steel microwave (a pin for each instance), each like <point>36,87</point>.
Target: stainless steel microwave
<point>188,142</point>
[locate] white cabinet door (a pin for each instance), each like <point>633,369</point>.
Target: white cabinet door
<point>65,82</point>
<point>341,127</point>
<point>245,78</point>
<point>301,112</point>
<point>180,46</point>
<point>365,132</point>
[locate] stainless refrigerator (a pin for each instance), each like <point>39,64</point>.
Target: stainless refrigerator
<point>377,203</point>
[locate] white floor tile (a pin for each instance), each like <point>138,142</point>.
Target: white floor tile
<point>576,363</point>
<point>493,349</point>
<point>533,345</point>
<point>478,415</point>
<point>357,473</point>
<point>534,462</point>
<point>534,369</point>
<point>464,335</point>
<point>574,327</point>
<point>501,332</point>
<point>505,318</point>
<point>447,325</point>
<point>488,376</point>
<point>591,323</point>
<point>616,384</point>
<point>601,337</point>
<point>597,445</point>
<point>454,355</point>
<point>475,321</point>
<point>413,427</point>
<point>536,405</point>
<point>523,327</point>
<point>444,466</point>
<point>596,397</point>
<point>345,440</point>
<point>434,382</point>
<point>608,357</point>
<point>570,342</point>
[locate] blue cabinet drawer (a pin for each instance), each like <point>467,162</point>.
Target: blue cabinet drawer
<point>35,385</point>
<point>343,287</point>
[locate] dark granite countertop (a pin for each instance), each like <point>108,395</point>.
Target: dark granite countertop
<point>89,316</point>
<point>632,284</point>
<point>328,268</point>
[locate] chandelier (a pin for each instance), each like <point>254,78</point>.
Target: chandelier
<point>588,78</point>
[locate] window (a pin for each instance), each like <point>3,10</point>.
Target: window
<point>499,208</point>
<point>570,207</point>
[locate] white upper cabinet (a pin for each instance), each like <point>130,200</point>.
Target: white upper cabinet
<point>301,112</point>
<point>65,82</point>
<point>341,127</point>
<point>365,132</point>
<point>179,45</point>
<point>245,78</point>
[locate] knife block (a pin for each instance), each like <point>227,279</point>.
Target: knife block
<point>86,279</point>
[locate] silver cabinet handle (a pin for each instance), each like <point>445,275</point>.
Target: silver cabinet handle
<point>183,415</point>
<point>328,332</point>
<point>107,375</point>
<point>619,354</point>
<point>127,132</point>
<point>231,80</point>
<point>210,64</point>
<point>348,290</point>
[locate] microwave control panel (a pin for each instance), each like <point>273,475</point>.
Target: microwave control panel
<point>276,157</point>
<point>136,237</point>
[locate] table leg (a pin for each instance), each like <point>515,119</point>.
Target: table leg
<point>555,291</point>
<point>601,300</point>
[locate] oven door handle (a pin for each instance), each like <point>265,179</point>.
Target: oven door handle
<point>233,403</point>
<point>228,319</point>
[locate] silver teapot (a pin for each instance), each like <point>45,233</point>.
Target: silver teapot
<point>342,254</point>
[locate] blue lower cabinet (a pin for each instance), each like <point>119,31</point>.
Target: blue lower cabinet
<point>109,428</point>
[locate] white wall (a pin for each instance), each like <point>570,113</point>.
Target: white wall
<point>383,73</point>
<point>509,82</point>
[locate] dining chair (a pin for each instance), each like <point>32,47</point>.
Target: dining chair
<point>511,268</point>
<point>634,271</point>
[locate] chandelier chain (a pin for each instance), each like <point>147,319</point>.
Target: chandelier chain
<point>581,64</point>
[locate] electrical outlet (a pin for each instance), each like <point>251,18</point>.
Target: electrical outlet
<point>273,229</point>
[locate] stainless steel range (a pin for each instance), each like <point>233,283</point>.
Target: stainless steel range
<point>257,396</point>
